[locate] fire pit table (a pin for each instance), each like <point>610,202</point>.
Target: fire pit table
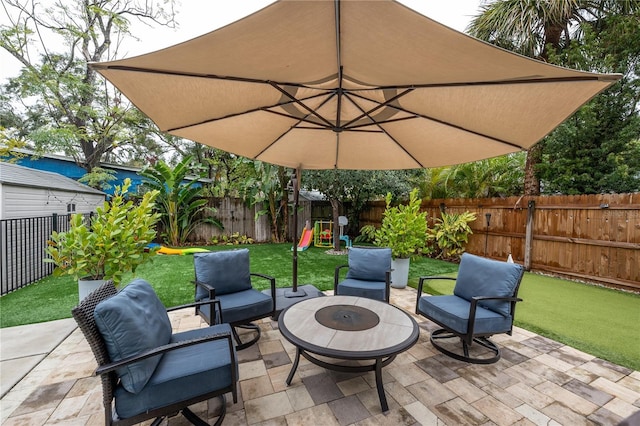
<point>367,333</point>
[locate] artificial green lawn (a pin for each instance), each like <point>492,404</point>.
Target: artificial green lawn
<point>596,320</point>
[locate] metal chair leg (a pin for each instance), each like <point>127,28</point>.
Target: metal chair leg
<point>483,341</point>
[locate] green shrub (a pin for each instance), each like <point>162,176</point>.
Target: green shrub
<point>367,234</point>
<point>114,243</point>
<point>451,233</point>
<point>404,228</point>
<point>231,240</point>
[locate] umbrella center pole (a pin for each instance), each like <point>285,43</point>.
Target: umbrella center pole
<point>295,291</point>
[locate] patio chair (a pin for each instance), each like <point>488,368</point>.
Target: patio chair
<point>483,304</point>
<point>147,372</point>
<point>225,276</point>
<point>368,274</point>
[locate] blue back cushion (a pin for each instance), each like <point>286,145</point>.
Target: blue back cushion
<point>478,276</point>
<point>369,264</point>
<point>133,321</point>
<point>227,271</point>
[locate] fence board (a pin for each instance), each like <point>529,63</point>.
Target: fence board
<point>589,237</point>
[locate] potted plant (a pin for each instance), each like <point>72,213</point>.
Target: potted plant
<point>404,230</point>
<point>113,243</point>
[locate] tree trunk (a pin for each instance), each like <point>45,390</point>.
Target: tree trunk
<point>531,181</point>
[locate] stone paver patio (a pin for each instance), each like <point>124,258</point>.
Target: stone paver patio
<point>537,382</point>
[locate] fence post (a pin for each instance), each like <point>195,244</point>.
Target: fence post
<point>54,222</point>
<point>528,242</point>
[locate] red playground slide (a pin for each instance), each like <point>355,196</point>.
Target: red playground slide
<point>305,239</point>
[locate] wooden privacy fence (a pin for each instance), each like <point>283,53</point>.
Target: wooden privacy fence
<point>587,237</point>
<point>236,216</point>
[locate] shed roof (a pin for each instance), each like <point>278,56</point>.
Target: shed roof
<point>24,176</point>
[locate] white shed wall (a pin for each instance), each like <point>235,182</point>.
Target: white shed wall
<point>21,201</point>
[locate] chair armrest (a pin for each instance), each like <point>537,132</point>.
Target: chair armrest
<point>272,285</point>
<point>217,311</point>
<point>503,298</point>
<point>268,277</point>
<point>336,278</point>
<point>474,304</point>
<point>108,368</point>
<point>387,285</point>
<point>215,319</point>
<point>421,281</point>
<point>210,289</point>
<point>193,304</point>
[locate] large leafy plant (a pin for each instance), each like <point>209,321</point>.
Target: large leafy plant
<point>451,233</point>
<point>404,228</point>
<point>114,242</point>
<point>180,203</point>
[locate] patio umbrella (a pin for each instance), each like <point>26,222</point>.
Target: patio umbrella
<point>351,85</point>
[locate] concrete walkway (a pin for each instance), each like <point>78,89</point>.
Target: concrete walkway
<point>23,347</point>
<point>537,382</point>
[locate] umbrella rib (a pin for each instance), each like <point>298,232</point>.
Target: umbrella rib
<point>297,101</point>
<point>300,119</point>
<point>455,126</point>
<point>426,117</point>
<point>263,108</point>
<point>98,66</point>
<point>279,137</point>
<point>345,130</point>
<point>379,106</point>
<point>257,156</point>
<point>497,82</point>
<point>388,135</point>
<point>607,78</point>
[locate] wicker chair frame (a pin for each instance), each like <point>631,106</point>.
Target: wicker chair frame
<point>83,314</point>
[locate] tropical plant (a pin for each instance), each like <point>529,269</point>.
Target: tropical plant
<point>231,240</point>
<point>598,149</point>
<point>367,234</point>
<point>113,243</point>
<point>179,204</point>
<point>451,233</point>
<point>494,177</point>
<point>433,183</point>
<point>266,188</point>
<point>539,29</point>
<point>404,228</point>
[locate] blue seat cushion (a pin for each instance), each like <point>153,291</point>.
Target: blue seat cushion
<point>238,308</point>
<point>369,264</point>
<point>454,312</point>
<point>130,322</point>
<point>182,374</point>
<point>227,271</point>
<point>369,289</point>
<point>478,276</point>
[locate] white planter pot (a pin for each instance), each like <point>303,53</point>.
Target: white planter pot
<point>399,273</point>
<point>86,286</point>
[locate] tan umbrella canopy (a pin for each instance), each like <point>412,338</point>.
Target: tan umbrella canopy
<point>351,85</point>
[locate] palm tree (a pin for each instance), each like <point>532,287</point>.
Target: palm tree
<point>534,28</point>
